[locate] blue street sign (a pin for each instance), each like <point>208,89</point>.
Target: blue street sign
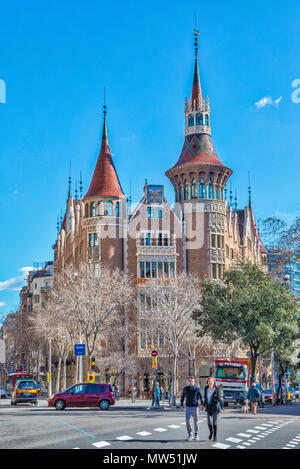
<point>79,349</point>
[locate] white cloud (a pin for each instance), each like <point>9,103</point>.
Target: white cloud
<point>16,283</point>
<point>2,303</point>
<point>268,101</point>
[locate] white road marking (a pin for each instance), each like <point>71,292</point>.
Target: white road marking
<point>290,446</point>
<point>252,431</point>
<point>244,435</point>
<point>160,429</point>
<point>144,433</point>
<point>240,447</point>
<point>174,426</point>
<point>260,428</point>
<point>234,440</point>
<point>266,425</point>
<point>246,443</point>
<point>221,446</point>
<point>124,438</point>
<point>100,444</point>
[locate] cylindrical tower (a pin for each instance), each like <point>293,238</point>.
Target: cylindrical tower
<point>199,178</point>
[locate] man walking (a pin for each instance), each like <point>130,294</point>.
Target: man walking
<point>192,395</point>
<point>253,396</point>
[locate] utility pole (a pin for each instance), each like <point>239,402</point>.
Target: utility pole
<point>49,371</point>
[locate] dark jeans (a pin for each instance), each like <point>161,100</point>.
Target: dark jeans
<point>212,419</point>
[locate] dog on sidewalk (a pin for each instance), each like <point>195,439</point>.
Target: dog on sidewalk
<point>245,408</point>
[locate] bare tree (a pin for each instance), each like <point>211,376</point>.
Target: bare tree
<point>95,301</point>
<point>168,309</point>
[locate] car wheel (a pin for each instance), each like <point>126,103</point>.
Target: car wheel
<point>104,405</point>
<point>60,404</point>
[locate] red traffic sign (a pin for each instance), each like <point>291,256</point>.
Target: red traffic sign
<point>154,353</point>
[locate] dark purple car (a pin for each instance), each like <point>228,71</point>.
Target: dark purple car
<point>84,395</point>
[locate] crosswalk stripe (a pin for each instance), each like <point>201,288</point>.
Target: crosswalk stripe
<point>221,446</point>
<point>101,444</point>
<point>234,440</point>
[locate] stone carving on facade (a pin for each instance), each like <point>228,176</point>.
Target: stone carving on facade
<point>217,255</point>
<point>216,222</point>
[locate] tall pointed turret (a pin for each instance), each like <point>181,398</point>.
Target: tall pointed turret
<point>105,181</point>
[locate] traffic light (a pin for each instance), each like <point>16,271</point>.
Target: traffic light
<point>92,363</point>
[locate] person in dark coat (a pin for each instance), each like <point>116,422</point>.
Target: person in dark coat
<point>212,401</point>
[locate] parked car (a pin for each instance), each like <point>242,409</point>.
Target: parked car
<point>268,395</point>
<point>25,392</point>
<point>84,395</point>
<point>3,392</point>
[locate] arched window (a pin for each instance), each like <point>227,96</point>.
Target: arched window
<point>109,209</point>
<point>202,191</point>
<point>199,119</point>
<point>86,210</point>
<point>217,192</point>
<point>206,120</point>
<point>180,193</point>
<point>186,191</point>
<point>117,209</point>
<point>194,191</point>
<point>210,191</point>
<point>191,120</point>
<point>93,209</point>
<point>100,208</point>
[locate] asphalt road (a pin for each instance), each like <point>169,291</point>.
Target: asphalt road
<point>134,427</point>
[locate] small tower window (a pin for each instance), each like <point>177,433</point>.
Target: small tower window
<point>191,120</point>
<point>199,119</point>
<point>217,192</point>
<point>117,209</point>
<point>202,191</point>
<point>180,193</point>
<point>86,210</point>
<point>210,191</point>
<point>194,189</point>
<point>186,191</point>
<point>109,209</point>
<point>93,209</point>
<point>100,208</point>
<point>206,120</point>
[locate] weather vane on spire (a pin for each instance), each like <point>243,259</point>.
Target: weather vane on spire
<point>104,106</point>
<point>196,32</point>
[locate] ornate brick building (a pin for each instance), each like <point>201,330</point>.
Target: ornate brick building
<point>203,234</point>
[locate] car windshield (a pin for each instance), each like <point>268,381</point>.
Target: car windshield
<point>230,372</point>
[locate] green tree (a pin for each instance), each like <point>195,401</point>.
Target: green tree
<point>248,305</point>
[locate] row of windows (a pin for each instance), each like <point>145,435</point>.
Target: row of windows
<point>217,270</point>
<point>93,240</point>
<point>150,269</point>
<point>102,209</point>
<point>193,191</point>
<point>154,212</point>
<point>198,118</point>
<point>216,241</point>
<point>161,240</point>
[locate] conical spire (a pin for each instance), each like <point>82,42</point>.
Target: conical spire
<point>105,181</point>
<point>196,92</point>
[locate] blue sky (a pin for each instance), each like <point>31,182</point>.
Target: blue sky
<point>55,59</point>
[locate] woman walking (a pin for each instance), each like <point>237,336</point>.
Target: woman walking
<point>212,401</point>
